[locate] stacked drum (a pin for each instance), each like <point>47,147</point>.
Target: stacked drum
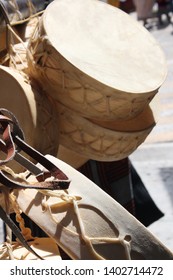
<point>86,79</point>
<point>101,69</point>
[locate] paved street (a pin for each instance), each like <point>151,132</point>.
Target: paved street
<point>154,158</point>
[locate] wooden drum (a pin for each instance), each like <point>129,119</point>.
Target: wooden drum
<point>87,223</point>
<point>95,59</point>
<point>34,111</point>
<point>103,140</point>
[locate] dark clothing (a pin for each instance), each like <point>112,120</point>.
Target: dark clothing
<point>121,181</point>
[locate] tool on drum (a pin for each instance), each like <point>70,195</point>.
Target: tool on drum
<point>12,135</point>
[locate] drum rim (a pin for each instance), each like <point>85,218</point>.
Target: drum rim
<point>137,26</point>
<point>124,143</point>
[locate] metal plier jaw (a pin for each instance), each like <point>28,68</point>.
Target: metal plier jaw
<point>12,143</point>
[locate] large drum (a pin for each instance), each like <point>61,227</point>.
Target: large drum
<point>34,111</point>
<point>95,59</point>
<point>87,223</point>
<point>104,140</point>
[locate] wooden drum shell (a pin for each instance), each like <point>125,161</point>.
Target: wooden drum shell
<point>118,82</point>
<point>34,111</point>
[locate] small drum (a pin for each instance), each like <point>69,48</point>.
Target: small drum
<point>103,140</point>
<point>34,111</point>
<point>87,223</point>
<point>95,59</point>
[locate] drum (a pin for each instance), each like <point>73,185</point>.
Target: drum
<point>102,140</point>
<point>95,59</point>
<point>34,111</point>
<point>87,223</point>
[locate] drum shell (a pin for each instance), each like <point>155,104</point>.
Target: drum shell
<point>83,93</point>
<point>78,91</point>
<point>34,111</point>
<point>94,140</point>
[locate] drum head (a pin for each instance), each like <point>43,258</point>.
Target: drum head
<point>106,44</point>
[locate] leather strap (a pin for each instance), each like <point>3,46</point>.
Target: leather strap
<point>12,142</point>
